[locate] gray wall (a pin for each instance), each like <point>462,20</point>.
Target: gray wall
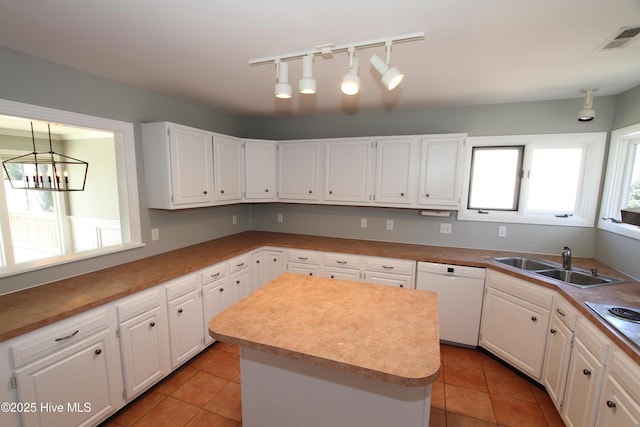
<point>33,81</point>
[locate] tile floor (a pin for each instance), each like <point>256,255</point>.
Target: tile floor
<point>473,390</point>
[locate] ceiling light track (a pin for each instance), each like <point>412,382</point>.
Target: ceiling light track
<point>330,48</point>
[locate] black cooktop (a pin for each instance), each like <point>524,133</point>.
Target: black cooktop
<point>625,319</point>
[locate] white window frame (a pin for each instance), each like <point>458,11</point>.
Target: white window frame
<point>126,173</point>
<point>594,145</point>
<point>617,169</point>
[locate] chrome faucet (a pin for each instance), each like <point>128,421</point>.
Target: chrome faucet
<point>566,258</point>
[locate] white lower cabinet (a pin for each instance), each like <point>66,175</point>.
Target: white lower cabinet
<point>586,373</point>
<point>144,341</point>
<point>343,267</point>
<point>216,295</point>
<point>266,265</point>
<point>391,272</point>
<point>619,402</point>
<point>240,277</point>
<point>69,373</point>
<point>307,263</point>
<point>515,318</point>
<point>184,308</point>
<point>558,353</point>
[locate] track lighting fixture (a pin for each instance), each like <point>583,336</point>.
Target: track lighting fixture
<point>587,113</point>
<point>390,76</point>
<point>307,84</point>
<point>351,81</point>
<point>350,85</point>
<point>283,88</point>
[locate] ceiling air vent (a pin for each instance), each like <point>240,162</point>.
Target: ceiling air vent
<point>620,38</point>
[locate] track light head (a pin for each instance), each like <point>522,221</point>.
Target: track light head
<point>390,76</point>
<point>351,81</point>
<point>587,113</point>
<point>283,88</point>
<point>307,84</point>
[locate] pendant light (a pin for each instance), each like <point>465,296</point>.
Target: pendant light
<point>283,88</point>
<point>46,171</point>
<point>351,81</point>
<point>390,76</point>
<point>307,84</point>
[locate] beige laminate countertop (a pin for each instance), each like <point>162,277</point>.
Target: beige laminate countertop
<point>376,331</point>
<point>30,309</point>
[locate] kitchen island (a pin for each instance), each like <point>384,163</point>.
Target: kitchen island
<point>317,352</point>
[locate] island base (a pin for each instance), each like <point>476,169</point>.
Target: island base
<point>278,391</point>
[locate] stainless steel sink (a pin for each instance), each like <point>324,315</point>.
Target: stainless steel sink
<point>526,263</point>
<point>579,278</point>
<point>552,270</point>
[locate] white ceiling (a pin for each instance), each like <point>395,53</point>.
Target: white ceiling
<point>474,52</point>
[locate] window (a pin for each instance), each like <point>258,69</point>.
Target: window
<point>622,181</point>
<point>42,228</point>
<point>535,179</point>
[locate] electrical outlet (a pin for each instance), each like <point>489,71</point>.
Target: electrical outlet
<point>234,219</point>
<point>363,222</point>
<point>389,224</point>
<point>155,234</point>
<point>502,231</point>
<point>280,218</point>
<point>445,228</point>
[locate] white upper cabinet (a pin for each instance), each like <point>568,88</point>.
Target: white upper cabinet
<point>440,171</point>
<point>348,170</point>
<point>260,165</point>
<point>299,170</point>
<point>396,171</point>
<point>228,162</point>
<point>177,165</point>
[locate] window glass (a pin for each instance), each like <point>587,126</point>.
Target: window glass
<point>554,179</point>
<point>632,185</point>
<point>495,178</point>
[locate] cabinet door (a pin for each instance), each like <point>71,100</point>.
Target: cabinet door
<point>267,265</point>
<point>347,170</point>
<point>389,279</point>
<point>227,159</point>
<point>144,347</point>
<point>240,284</point>
<point>76,384</point>
<point>342,273</point>
<point>556,364</point>
<point>191,166</point>
<point>185,327</point>
<point>299,166</point>
<point>216,297</point>
<point>396,171</point>
<point>619,403</point>
<point>259,170</point>
<point>440,172</point>
<point>515,330</point>
<point>583,387</point>
<point>304,269</point>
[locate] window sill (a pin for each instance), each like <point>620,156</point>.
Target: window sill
<point>627,230</point>
<point>517,218</point>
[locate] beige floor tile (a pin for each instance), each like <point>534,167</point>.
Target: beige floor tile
<point>168,413</point>
<point>437,395</point>
<point>437,418</point>
<point>199,389</point>
<point>457,420</point>
<point>509,384</point>
<point>472,403</point>
<point>209,419</point>
<point>175,380</point>
<point>465,376</point>
<point>135,410</point>
<point>517,413</point>
<point>226,366</point>
<point>462,356</point>
<point>228,402</point>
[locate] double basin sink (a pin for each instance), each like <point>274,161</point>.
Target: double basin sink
<point>575,277</point>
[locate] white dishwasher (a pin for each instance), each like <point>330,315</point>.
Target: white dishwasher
<point>460,291</point>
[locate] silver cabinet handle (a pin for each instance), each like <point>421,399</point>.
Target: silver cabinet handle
<point>215,275</point>
<point>240,265</point>
<point>342,262</point>
<point>388,267</point>
<point>303,258</point>
<point>68,336</point>
<point>560,312</point>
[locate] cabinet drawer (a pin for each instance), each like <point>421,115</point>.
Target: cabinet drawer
<point>213,273</point>
<point>389,265</point>
<point>566,313</point>
<point>305,257</point>
<point>59,335</point>
<point>342,260</point>
<point>181,286</point>
<point>239,263</point>
<point>138,304</point>
<point>593,340</point>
